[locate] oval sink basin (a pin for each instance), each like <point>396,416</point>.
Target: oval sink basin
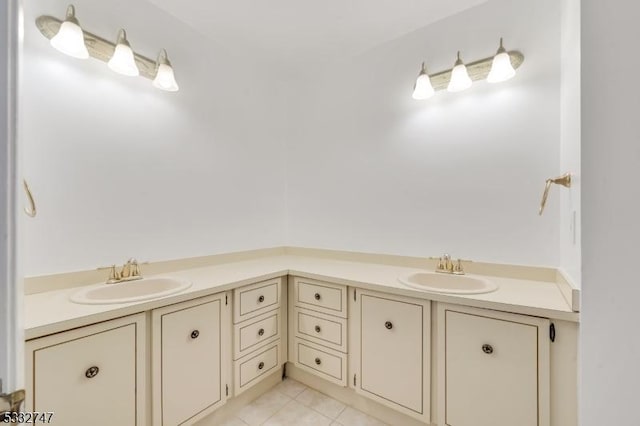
<point>441,283</point>
<point>131,291</point>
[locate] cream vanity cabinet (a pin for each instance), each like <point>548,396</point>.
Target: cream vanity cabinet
<point>319,329</point>
<point>190,343</point>
<point>91,375</point>
<point>493,368</point>
<point>392,364</point>
<point>257,332</point>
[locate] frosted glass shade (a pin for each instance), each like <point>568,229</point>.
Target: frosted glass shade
<point>501,68</point>
<point>165,79</point>
<point>123,62</point>
<point>423,88</point>
<point>70,40</point>
<point>460,79</point>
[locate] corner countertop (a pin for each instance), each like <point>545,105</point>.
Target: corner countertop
<point>52,312</point>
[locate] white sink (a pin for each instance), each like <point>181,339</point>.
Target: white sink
<point>130,291</point>
<point>442,283</point>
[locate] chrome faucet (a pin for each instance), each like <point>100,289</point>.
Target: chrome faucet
<point>447,266</point>
<point>130,271</point>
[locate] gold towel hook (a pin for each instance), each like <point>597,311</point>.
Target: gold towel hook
<point>30,211</point>
<point>564,180</point>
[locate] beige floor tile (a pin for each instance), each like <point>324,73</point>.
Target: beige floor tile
<point>321,403</point>
<point>234,422</point>
<point>352,417</point>
<point>290,387</point>
<point>296,414</point>
<point>262,408</point>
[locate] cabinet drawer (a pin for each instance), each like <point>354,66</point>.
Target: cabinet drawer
<point>323,362</point>
<point>321,297</point>
<point>254,333</point>
<point>256,299</point>
<point>255,367</point>
<point>82,373</point>
<point>323,329</point>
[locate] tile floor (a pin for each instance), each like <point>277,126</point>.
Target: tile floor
<point>291,403</point>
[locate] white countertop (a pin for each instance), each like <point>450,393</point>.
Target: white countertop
<point>52,312</point>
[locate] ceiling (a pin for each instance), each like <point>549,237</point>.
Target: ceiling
<point>304,30</point>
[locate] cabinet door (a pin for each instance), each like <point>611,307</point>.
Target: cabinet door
<point>493,369</point>
<point>394,352</point>
<point>83,374</point>
<point>188,360</point>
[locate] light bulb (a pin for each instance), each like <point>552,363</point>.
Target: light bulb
<point>501,68</point>
<point>70,39</point>
<point>122,60</point>
<point>165,79</point>
<point>460,79</point>
<point>422,89</point>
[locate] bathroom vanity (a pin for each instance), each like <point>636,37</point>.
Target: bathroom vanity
<point>347,328</point>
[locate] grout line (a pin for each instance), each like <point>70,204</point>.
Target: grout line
<point>341,411</point>
<point>280,409</point>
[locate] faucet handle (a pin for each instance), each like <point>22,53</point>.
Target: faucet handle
<point>457,268</point>
<point>114,275</point>
<point>135,267</point>
<point>448,264</point>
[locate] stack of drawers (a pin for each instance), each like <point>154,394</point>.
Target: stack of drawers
<point>319,337</point>
<point>257,332</point>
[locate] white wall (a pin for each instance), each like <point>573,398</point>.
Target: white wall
<point>610,347</point>
<point>570,211</point>
<point>370,169</point>
<point>121,169</point>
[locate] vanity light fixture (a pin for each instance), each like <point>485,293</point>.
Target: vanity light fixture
<point>460,79</point>
<point>120,57</point>
<point>501,68</point>
<point>69,39</point>
<point>165,79</point>
<point>422,89</point>
<point>122,60</point>
<point>494,69</point>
